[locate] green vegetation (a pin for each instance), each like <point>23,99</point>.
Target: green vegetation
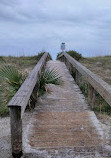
<point>101,66</point>
<point>58,55</point>
<point>13,71</point>
<point>12,81</point>
<point>48,77</point>
<point>72,53</point>
<point>101,105</point>
<point>37,58</point>
<point>2,59</point>
<point>84,88</point>
<point>22,63</point>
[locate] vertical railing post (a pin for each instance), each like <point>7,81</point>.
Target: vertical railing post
<point>69,66</point>
<point>65,61</point>
<point>61,58</point>
<point>77,77</point>
<point>16,131</point>
<point>48,58</point>
<point>91,96</point>
<point>34,97</point>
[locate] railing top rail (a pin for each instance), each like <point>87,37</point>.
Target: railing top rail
<point>97,83</point>
<point>22,96</point>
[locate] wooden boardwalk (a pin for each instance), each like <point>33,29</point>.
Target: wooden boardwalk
<point>62,125</point>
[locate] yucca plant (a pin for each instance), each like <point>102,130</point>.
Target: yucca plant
<point>48,77</point>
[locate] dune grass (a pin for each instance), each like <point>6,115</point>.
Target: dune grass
<point>101,66</point>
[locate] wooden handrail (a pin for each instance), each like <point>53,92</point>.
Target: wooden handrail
<point>18,105</point>
<point>96,83</point>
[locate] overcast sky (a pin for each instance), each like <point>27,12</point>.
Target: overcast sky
<point>30,26</point>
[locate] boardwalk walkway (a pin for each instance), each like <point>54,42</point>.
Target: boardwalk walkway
<point>62,125</point>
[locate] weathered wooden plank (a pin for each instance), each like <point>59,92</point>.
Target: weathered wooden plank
<point>16,131</point>
<point>63,121</point>
<point>97,83</point>
<point>18,104</point>
<point>22,96</point>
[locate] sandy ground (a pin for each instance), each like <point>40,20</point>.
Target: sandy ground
<point>106,122</point>
<point>5,140</point>
<point>5,145</point>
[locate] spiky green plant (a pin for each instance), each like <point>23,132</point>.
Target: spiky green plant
<point>12,76</point>
<point>11,80</point>
<point>48,77</point>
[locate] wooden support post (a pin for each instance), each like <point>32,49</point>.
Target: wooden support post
<point>47,59</point>
<point>61,59</point>
<point>67,64</point>
<point>34,97</point>
<point>73,72</point>
<point>35,93</point>
<point>70,68</point>
<point>16,131</point>
<point>77,77</point>
<point>91,96</point>
<point>65,61</point>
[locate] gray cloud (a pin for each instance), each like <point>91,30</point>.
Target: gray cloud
<point>30,26</point>
<point>8,3</point>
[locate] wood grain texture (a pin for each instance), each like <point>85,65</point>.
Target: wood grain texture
<point>22,96</point>
<point>18,104</point>
<point>16,131</point>
<point>62,122</point>
<point>96,82</point>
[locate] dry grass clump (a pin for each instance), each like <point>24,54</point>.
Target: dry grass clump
<point>101,66</point>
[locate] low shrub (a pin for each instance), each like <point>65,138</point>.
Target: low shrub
<point>58,55</point>
<point>73,54</point>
